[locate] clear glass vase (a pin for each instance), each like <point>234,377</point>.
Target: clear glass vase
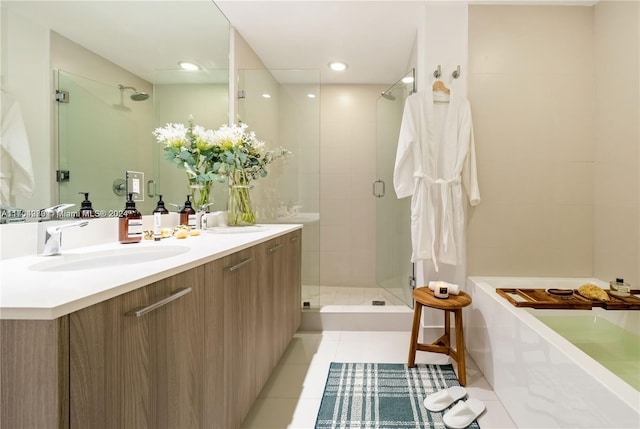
<point>239,210</point>
<point>200,193</point>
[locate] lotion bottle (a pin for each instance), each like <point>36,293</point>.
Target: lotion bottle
<point>188,214</point>
<point>130,223</point>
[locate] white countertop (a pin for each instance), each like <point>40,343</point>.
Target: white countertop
<point>26,293</point>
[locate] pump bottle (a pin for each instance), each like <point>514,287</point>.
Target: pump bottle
<point>86,209</point>
<point>160,208</point>
<point>188,214</point>
<point>130,223</point>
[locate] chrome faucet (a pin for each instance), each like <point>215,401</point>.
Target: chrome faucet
<point>51,243</point>
<point>53,213</point>
<point>53,237</point>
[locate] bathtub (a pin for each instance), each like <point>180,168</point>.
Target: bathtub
<point>542,379</point>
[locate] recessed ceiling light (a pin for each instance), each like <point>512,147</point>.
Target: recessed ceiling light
<point>265,95</point>
<point>338,66</point>
<point>188,66</point>
<point>311,95</point>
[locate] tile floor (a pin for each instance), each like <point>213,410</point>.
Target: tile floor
<point>291,398</point>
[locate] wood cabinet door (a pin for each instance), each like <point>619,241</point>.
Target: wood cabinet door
<point>110,371</point>
<point>177,353</point>
<point>215,414</point>
<point>240,273</point>
<point>136,360</point>
<point>293,287</point>
<point>270,334</point>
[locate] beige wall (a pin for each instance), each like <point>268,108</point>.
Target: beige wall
<point>555,96</point>
<point>347,171</point>
<point>617,145</point>
<point>531,87</point>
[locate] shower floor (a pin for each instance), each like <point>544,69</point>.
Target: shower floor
<point>319,296</point>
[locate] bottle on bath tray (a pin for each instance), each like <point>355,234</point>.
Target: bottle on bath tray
<point>453,289</point>
<point>619,287</point>
<point>130,223</point>
<point>188,214</point>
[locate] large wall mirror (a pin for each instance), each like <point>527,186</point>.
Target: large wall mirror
<point>115,66</point>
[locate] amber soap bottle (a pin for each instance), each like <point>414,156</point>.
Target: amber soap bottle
<point>130,223</point>
<point>188,214</point>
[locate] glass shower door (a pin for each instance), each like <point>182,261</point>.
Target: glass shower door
<point>394,270</point>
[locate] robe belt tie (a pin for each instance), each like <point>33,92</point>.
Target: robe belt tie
<point>445,218</point>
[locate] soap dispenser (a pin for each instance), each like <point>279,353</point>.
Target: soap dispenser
<point>188,214</point>
<point>130,223</point>
<point>160,208</point>
<point>86,209</point>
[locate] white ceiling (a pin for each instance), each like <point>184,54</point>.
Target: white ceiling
<point>374,37</point>
<point>141,36</point>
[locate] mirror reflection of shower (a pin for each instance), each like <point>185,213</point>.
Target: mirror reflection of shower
<point>136,96</point>
<point>388,95</point>
<point>403,88</point>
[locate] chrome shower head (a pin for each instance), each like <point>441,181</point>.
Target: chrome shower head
<point>137,95</point>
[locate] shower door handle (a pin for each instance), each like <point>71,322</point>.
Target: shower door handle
<point>375,188</point>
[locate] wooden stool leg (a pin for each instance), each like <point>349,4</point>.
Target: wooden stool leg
<point>447,328</point>
<point>417,314</point>
<point>462,370</point>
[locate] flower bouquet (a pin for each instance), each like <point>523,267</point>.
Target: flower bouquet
<point>230,153</point>
<point>241,158</point>
<point>191,148</point>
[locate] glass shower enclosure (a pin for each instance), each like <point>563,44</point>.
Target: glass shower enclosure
<point>394,270</point>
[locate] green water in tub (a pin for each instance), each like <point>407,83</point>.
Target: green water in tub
<point>614,347</point>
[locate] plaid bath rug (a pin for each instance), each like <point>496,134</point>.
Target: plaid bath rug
<point>383,396</point>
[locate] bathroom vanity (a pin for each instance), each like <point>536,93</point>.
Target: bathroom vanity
<point>188,345</point>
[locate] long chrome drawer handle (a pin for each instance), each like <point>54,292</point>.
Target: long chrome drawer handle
<point>144,310</point>
<point>276,247</point>
<point>239,265</point>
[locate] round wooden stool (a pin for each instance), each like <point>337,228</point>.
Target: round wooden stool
<point>454,304</point>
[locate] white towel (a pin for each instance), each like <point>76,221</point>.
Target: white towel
<point>453,288</point>
<point>16,169</point>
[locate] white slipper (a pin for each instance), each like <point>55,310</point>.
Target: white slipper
<point>441,399</point>
<point>463,413</point>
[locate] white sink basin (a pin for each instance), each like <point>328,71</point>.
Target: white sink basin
<point>107,258</point>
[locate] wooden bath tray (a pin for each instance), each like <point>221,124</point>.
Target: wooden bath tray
<point>619,302</point>
<point>539,298</point>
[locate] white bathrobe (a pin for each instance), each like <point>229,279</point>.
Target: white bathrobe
<point>16,169</point>
<point>435,157</point>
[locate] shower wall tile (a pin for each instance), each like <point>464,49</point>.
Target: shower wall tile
<point>531,87</point>
<point>617,248</point>
<point>617,150</point>
<point>335,268</point>
<point>570,221</point>
<point>572,127</point>
<point>515,182</point>
<point>572,40</point>
<point>510,41</point>
<point>573,182</point>
<point>336,185</point>
<point>347,172</point>
<point>335,237</point>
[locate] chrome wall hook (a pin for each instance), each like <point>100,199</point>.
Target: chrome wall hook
<point>456,73</point>
<point>438,72</point>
